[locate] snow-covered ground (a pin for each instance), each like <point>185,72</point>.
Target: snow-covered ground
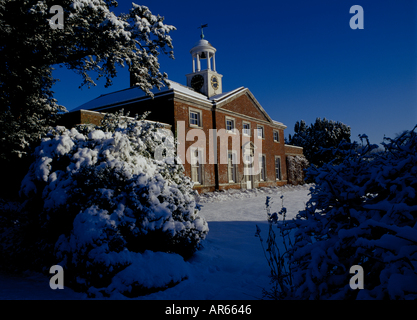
<point>231,266</point>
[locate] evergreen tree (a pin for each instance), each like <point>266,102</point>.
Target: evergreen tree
<point>317,138</point>
<point>93,39</point>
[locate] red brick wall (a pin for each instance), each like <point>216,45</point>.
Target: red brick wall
<point>269,148</point>
<point>181,112</point>
<point>170,110</point>
<point>71,119</point>
<point>91,117</point>
<point>293,150</point>
<point>244,105</point>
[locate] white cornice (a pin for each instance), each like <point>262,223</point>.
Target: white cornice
<point>289,145</point>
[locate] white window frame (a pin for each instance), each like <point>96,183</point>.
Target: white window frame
<point>276,132</point>
<point>231,166</point>
<point>259,126</point>
<point>243,129</point>
<point>197,165</point>
<point>280,168</point>
<point>199,120</point>
<point>233,122</point>
<point>262,166</point>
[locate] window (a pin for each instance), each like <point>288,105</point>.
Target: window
<point>261,132</point>
<point>195,118</point>
<point>277,168</point>
<point>246,128</point>
<point>231,167</point>
<point>230,124</point>
<point>196,166</point>
<point>248,159</point>
<point>276,136</point>
<point>262,166</point>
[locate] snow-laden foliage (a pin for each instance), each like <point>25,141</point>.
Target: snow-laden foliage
<point>318,137</point>
<point>276,255</point>
<point>98,200</point>
<point>295,168</point>
<point>362,211</point>
<point>94,41</point>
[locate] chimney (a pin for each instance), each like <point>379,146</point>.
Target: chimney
<point>132,80</point>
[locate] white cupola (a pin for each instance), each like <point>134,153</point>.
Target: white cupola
<point>204,80</point>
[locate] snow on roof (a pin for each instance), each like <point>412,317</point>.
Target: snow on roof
<point>132,94</point>
<point>112,98</point>
<point>135,93</point>
<point>186,90</point>
<point>224,95</point>
<point>277,122</point>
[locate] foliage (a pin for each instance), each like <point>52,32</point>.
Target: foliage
<point>362,212</point>
<point>317,138</point>
<point>94,40</point>
<point>296,166</point>
<point>98,202</point>
<point>281,278</point>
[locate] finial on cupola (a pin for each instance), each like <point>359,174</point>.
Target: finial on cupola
<point>201,27</point>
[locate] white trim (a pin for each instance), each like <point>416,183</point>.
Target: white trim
<point>273,135</point>
<point>248,118</point>
<point>280,167</point>
<point>222,97</point>
<point>243,129</point>
<point>263,169</point>
<point>263,131</point>
<point>234,166</point>
<point>199,166</point>
<point>290,145</point>
<point>227,118</point>
<point>238,93</point>
<point>200,119</point>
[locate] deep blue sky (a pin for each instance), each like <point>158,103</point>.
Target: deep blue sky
<point>300,59</point>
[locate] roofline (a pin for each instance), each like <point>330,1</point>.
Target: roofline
<point>123,116</point>
<point>122,103</point>
<point>211,102</point>
<point>290,145</point>
<point>243,90</point>
<point>168,91</point>
<point>227,95</point>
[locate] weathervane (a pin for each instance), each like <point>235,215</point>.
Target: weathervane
<point>201,27</point>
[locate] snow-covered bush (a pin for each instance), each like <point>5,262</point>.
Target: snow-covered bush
<point>362,211</point>
<point>295,168</point>
<point>101,206</point>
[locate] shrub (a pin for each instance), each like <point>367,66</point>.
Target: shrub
<point>296,166</point>
<point>362,212</point>
<point>100,204</point>
<point>276,255</point>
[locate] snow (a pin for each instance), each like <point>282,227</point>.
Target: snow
<point>231,265</point>
<point>135,93</point>
<point>129,95</point>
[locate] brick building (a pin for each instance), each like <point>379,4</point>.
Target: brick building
<point>227,140</point>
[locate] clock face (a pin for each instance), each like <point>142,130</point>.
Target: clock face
<point>214,82</point>
<point>197,82</point>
